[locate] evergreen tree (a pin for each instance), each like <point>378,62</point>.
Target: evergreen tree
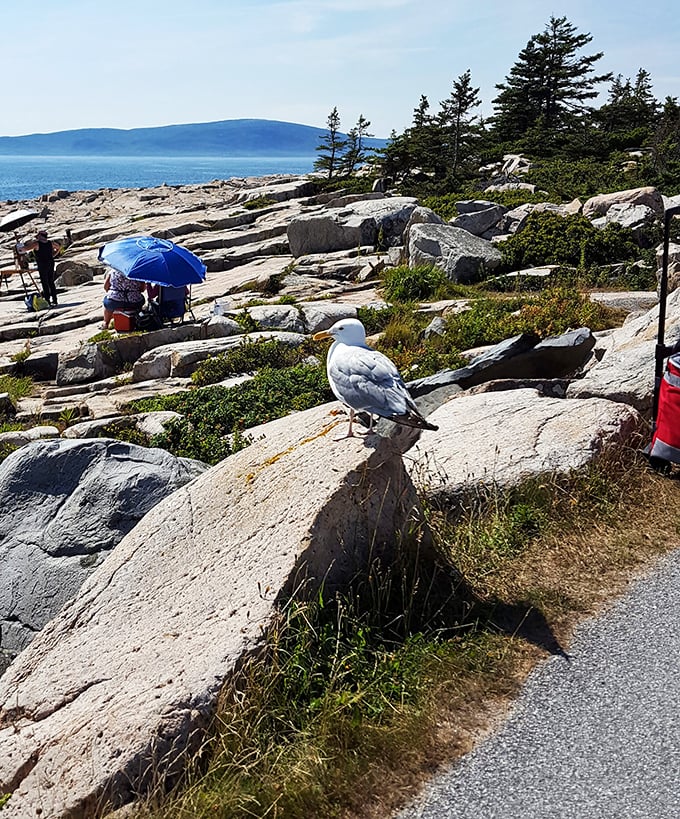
<point>628,117</point>
<point>549,86</point>
<point>423,144</point>
<point>332,145</point>
<point>395,157</point>
<point>665,145</point>
<point>355,152</point>
<point>414,149</point>
<point>456,122</point>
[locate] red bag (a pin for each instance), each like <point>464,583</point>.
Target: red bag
<point>666,439</point>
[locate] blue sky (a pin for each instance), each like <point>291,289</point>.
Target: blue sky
<point>123,64</point>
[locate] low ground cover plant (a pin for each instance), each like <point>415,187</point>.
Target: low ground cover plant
<point>488,321</point>
<point>215,416</point>
<point>633,275</point>
<point>566,179</point>
<point>249,357</point>
<point>16,386</point>
<point>259,202</point>
<point>409,284</point>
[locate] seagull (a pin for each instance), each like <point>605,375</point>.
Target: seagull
<point>365,380</point>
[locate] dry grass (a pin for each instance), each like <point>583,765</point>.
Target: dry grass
<point>588,557</point>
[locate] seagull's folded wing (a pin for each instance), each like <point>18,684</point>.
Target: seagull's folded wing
<point>367,380</point>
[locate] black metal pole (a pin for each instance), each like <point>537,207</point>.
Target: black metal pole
<point>660,352</point>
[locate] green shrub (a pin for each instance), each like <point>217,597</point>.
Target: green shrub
<point>414,356</point>
<point>6,450</point>
<point>408,284</point>
<point>248,357</point>
<point>374,319</point>
<point>185,440</point>
<point>124,432</point>
<point>259,202</point>
<point>548,238</point>
<point>559,309</point>
<point>567,179</point>
<point>16,386</point>
<point>247,323</point>
<point>213,413</point>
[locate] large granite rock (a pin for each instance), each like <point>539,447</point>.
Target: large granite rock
<point>673,270</point>
<point>600,204</point>
<point>124,680</point>
<point>361,223</point>
<point>65,505</point>
<point>93,361</point>
<point>478,216</point>
<point>499,439</point>
<point>519,357</point>
<point>463,257</point>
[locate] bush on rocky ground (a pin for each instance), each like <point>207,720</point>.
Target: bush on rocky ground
<point>213,414</point>
<point>550,238</point>
<point>249,357</point>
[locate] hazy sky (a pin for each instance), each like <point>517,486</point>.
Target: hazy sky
<point>137,63</point>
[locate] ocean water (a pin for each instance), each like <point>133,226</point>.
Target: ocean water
<point>28,177</point>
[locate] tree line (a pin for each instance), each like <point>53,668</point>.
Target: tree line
<point>543,110</point>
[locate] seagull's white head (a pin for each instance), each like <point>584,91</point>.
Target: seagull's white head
<point>347,331</point>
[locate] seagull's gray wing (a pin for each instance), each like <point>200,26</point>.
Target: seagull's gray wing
<point>366,380</point>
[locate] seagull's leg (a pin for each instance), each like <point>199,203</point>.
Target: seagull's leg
<point>363,432</point>
<point>368,431</point>
<point>350,432</point>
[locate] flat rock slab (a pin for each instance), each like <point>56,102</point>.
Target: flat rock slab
<point>499,439</point>
<point>125,678</point>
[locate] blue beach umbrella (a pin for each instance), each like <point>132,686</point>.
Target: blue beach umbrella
<point>152,260</point>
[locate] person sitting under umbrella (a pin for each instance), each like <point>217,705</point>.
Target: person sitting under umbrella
<point>121,294</point>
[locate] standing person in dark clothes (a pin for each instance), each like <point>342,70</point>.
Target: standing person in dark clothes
<point>45,250</point>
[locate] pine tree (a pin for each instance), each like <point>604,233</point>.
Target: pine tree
<point>355,151</point>
<point>333,146</point>
<point>549,86</point>
<point>629,106</point>
<point>456,122</point>
<point>665,142</point>
<point>416,148</point>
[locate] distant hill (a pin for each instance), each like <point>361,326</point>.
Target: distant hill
<point>232,137</point>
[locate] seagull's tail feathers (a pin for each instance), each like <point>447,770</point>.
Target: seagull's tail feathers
<point>413,419</point>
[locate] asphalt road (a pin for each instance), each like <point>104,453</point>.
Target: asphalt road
<point>594,736</point>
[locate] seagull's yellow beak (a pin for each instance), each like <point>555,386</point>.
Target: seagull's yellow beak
<point>322,335</point>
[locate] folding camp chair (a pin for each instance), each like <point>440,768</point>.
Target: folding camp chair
<point>174,303</point>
